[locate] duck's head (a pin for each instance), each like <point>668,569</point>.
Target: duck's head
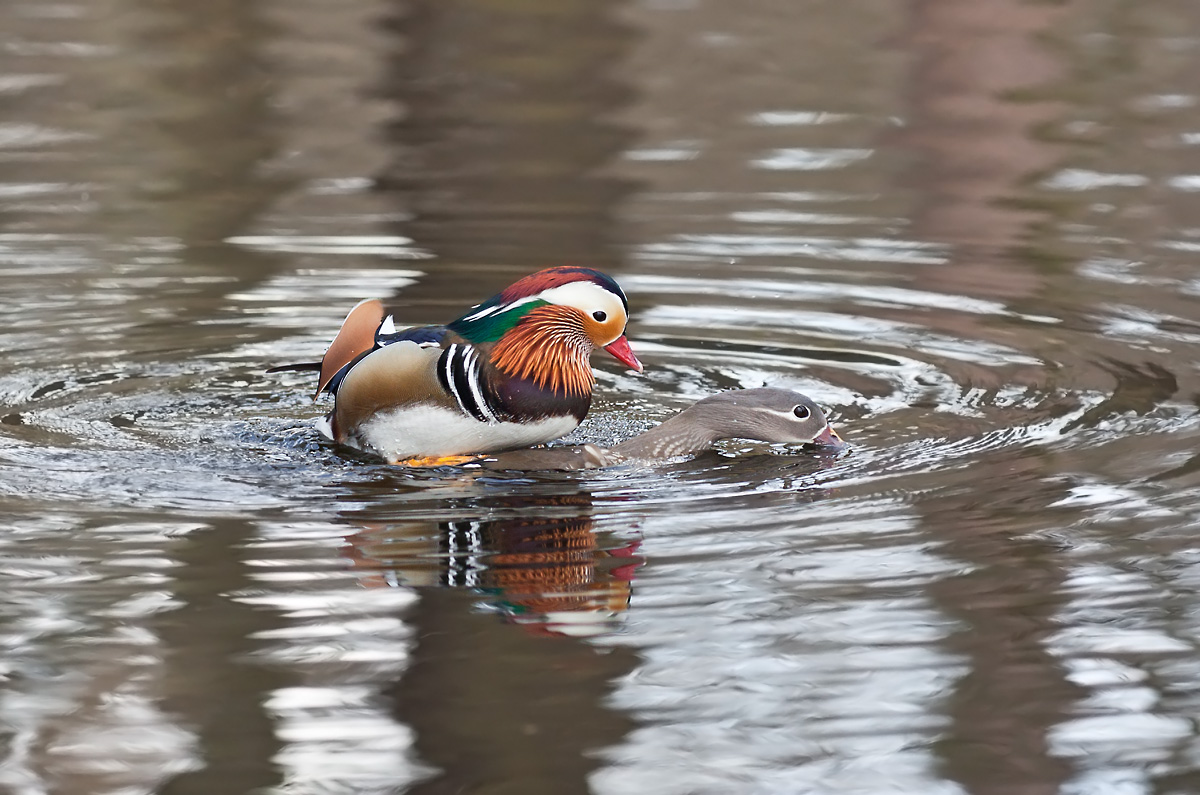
<point>767,415</point>
<point>579,307</point>
<point>591,301</point>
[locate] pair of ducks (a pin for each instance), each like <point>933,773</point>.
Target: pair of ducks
<point>514,372</point>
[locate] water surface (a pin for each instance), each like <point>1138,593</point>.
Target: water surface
<point>968,229</point>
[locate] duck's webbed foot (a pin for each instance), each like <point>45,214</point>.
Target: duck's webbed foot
<point>436,461</point>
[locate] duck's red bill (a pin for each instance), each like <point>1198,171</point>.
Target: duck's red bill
<point>829,438</point>
<point>620,349</point>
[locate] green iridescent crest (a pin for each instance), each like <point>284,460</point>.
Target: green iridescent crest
<point>488,323</point>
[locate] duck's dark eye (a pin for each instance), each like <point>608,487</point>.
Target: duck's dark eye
<point>599,316</point>
<point>802,412</point>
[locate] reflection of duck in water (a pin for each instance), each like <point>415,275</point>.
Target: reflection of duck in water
<point>550,574</point>
<point>765,415</point>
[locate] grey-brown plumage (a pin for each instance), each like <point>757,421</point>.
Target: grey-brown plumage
<point>765,415</point>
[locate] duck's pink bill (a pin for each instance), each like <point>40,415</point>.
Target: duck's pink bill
<point>829,438</point>
<point>620,349</point>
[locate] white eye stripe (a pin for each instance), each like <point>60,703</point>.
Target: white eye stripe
<point>787,415</point>
<point>585,296</point>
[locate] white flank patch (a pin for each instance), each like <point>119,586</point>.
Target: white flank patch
<point>435,431</point>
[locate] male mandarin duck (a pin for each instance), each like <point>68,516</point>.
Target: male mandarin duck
<point>511,372</point>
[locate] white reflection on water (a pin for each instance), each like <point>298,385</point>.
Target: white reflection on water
<point>819,667</point>
<point>18,83</point>
<point>797,118</point>
<point>790,217</point>
<point>666,154</point>
<point>15,136</point>
<point>324,287</point>
<point>823,248</point>
<point>835,326</point>
<point>810,289</point>
<point>1185,182</point>
<point>82,670</point>
<point>337,739</point>
<point>340,642</point>
<point>805,159</point>
<point>393,246</point>
<point>1078,179</point>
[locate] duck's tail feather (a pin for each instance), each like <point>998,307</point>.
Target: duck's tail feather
<point>295,366</point>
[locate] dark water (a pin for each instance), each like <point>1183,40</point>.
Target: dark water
<point>971,229</point>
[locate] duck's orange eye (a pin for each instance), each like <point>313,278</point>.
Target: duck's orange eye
<point>801,412</point>
<point>599,316</point>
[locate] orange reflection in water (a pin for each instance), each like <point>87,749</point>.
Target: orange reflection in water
<point>550,574</point>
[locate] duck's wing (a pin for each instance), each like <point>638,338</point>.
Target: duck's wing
<point>366,328</point>
<point>426,337</point>
<point>356,336</point>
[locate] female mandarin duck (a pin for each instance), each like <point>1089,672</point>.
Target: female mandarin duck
<point>512,372</point>
<point>766,415</point>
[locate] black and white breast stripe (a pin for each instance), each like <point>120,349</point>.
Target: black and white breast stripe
<point>458,372</point>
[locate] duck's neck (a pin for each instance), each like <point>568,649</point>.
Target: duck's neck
<point>549,350</point>
<point>683,434</point>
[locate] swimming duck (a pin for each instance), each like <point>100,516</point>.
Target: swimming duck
<point>511,372</point>
<point>764,415</point>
